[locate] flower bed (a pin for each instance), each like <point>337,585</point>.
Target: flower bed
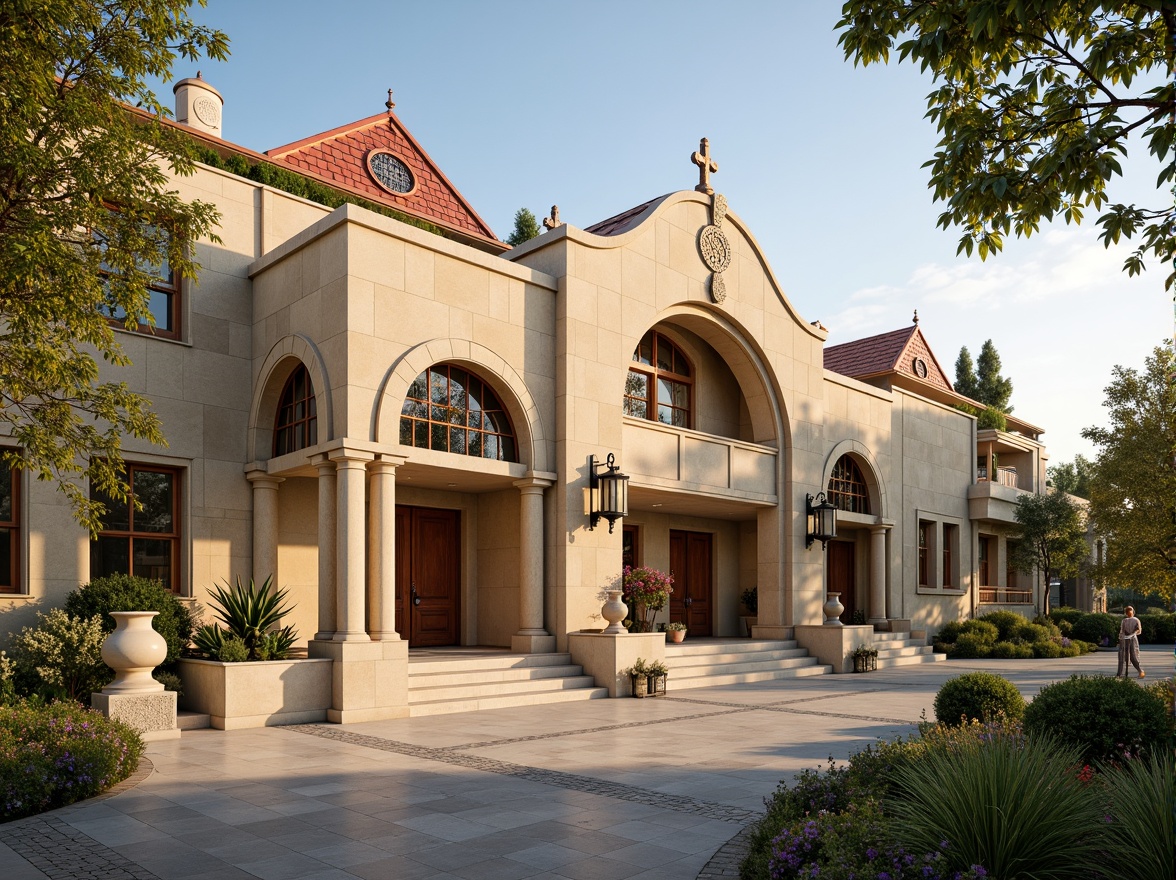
<point>56,754</point>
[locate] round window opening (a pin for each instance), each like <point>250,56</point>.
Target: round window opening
<point>390,173</point>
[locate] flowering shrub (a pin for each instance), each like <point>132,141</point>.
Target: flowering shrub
<point>61,657</point>
<point>52,755</point>
<point>646,591</point>
<point>7,686</point>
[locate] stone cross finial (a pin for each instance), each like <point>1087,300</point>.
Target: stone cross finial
<point>706,167</point>
<point>553,221</point>
<point>916,318</point>
<point>389,103</point>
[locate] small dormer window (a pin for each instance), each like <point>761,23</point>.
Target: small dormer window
<point>390,172</point>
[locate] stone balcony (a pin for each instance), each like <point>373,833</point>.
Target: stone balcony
<point>993,502</point>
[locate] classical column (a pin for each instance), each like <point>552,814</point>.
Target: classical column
<point>265,525</point>
<point>326,547</point>
<point>349,544</point>
<point>381,583</point>
<point>531,637</point>
<point>878,574</point>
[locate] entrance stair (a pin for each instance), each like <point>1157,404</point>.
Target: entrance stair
<point>468,679</point>
<point>713,662</point>
<point>904,649</point>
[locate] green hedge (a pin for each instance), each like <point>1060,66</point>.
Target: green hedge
<point>1159,628</point>
<point>53,755</point>
<point>121,592</point>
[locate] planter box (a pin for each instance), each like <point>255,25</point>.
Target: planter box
<point>655,685</point>
<point>257,694</point>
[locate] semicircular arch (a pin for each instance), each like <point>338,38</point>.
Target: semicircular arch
<point>491,368</point>
<point>865,460</point>
<point>287,353</point>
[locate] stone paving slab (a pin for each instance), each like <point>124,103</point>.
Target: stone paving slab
<point>643,789</point>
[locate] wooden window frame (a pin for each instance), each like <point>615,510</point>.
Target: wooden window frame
<point>304,430</point>
<point>172,288</point>
<point>848,489</point>
<point>984,559</point>
<point>653,373</point>
<point>432,419</point>
<point>951,533</point>
<point>925,542</point>
<point>131,534</point>
<point>13,527</point>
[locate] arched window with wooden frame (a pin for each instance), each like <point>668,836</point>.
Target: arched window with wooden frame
<point>450,409</point>
<point>660,383</point>
<point>296,426</point>
<point>848,490</point>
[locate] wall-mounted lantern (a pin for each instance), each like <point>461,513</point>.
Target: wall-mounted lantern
<point>608,492</point>
<point>820,520</point>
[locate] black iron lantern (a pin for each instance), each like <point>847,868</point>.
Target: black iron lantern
<point>608,493</point>
<point>820,520</point>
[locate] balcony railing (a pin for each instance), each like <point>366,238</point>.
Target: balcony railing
<point>1002,596</point>
<point>1005,476</point>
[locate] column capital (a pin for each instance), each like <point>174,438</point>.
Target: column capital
<point>882,529</point>
<point>262,479</point>
<point>532,485</point>
<point>386,464</point>
<point>356,457</point>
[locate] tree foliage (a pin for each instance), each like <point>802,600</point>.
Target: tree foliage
<point>1072,477</point>
<point>992,389</point>
<point>1035,102</point>
<point>1133,478</point>
<point>71,149</point>
<point>965,374</point>
<point>1052,540</point>
<point>526,227</point>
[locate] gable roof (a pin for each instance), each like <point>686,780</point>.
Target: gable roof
<point>340,157</point>
<point>893,352</point>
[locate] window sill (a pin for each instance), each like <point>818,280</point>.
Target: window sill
<point>21,597</point>
<point>141,334</point>
<point>931,591</point>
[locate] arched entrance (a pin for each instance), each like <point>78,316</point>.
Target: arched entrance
<point>856,565</point>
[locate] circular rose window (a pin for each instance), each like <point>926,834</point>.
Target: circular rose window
<point>389,172</point>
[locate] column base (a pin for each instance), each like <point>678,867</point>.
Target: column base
<point>369,680</point>
<point>351,637</point>
<point>385,636</point>
<point>526,643</point>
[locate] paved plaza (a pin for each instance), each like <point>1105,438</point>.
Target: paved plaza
<point>648,789</point>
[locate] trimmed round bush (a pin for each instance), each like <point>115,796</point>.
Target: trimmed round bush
<point>1031,632</point>
<point>982,628</point>
<point>1005,622</point>
<point>979,695</point>
<point>56,754</point>
<point>1158,629</point>
<point>1108,718</point>
<point>121,592</point>
<point>949,633</point>
<point>1070,650</point>
<point>1052,628</point>
<point>969,646</point>
<point>1046,650</point>
<point>1097,628</point>
<point>1011,651</point>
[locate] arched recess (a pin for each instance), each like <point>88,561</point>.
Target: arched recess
<point>287,353</point>
<point>491,368</point>
<point>749,365</point>
<point>869,467</point>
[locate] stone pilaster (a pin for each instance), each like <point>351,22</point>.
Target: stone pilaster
<point>265,524</point>
<point>381,575</point>
<point>878,574</point>
<point>349,544</point>
<point>326,547</point>
<point>531,638</point>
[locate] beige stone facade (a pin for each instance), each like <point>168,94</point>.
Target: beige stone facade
<point>366,304</point>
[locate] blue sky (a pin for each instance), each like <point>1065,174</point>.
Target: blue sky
<point>597,107</point>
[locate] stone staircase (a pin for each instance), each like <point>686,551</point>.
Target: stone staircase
<point>904,649</point>
<point>709,663</point>
<point>449,681</point>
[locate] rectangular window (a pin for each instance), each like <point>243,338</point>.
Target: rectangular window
<point>630,547</point>
<point>9,529</point>
<point>146,542</point>
<point>163,294</point>
<point>950,541</point>
<point>925,543</point>
<point>985,555</point>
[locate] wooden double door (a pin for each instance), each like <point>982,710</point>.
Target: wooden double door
<point>428,575</point>
<point>691,567</point>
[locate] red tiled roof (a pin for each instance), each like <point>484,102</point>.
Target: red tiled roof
<point>886,353</point>
<point>339,156</point>
<point>622,222</point>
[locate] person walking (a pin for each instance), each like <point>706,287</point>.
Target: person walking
<point>1129,632</point>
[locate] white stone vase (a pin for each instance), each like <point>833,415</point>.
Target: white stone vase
<point>133,651</point>
<point>614,611</point>
<point>833,610</point>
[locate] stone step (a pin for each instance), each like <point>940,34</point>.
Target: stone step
<point>675,682</point>
<point>904,650</point>
<point>889,637</point>
<point>482,662</point>
<point>192,720</point>
<point>450,677</point>
<point>680,658</point>
<point>422,693</point>
<point>680,670</point>
<point>728,647</point>
<point>504,701</point>
<point>910,660</point>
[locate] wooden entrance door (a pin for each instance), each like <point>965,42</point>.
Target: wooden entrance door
<point>690,566</point>
<point>841,576</point>
<point>428,575</point>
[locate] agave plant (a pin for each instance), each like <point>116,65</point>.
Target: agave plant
<point>251,614</point>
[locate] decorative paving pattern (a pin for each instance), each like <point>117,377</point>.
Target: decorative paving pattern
<point>724,864</point>
<point>559,779</point>
<point>786,706</point>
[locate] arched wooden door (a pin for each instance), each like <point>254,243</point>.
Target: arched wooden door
<point>428,575</point>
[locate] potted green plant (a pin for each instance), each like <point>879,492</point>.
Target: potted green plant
<point>749,599</point>
<point>646,591</point>
<point>865,658</point>
<point>675,631</point>
<point>647,679</point>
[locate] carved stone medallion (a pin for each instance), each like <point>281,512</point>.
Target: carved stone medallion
<point>716,250</point>
<point>718,288</point>
<point>206,111</point>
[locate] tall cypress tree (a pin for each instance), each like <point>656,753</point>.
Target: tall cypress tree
<point>965,374</point>
<point>992,389</point>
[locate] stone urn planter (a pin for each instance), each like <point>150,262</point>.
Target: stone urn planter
<point>614,611</point>
<point>833,610</point>
<point>133,651</point>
